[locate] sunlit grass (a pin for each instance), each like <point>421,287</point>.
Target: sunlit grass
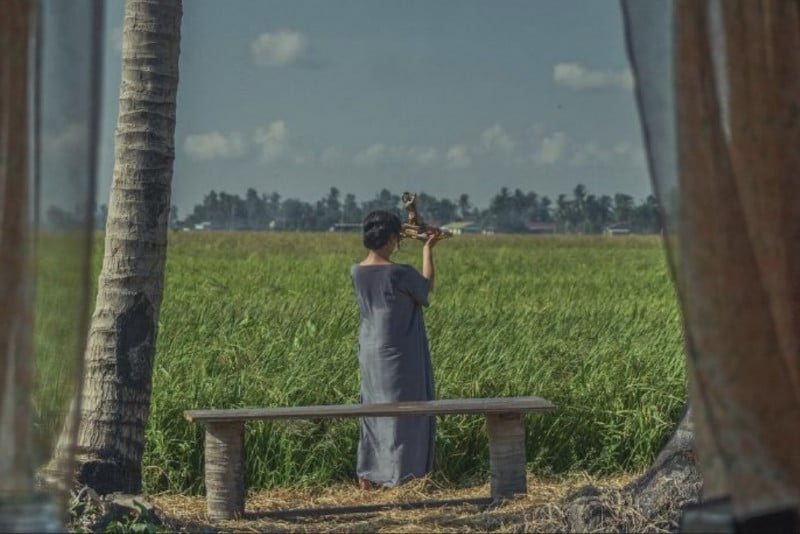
<point>270,320</point>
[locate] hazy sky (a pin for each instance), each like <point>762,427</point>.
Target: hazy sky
<point>445,96</point>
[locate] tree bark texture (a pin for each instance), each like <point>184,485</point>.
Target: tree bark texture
<point>122,339</point>
<point>15,282</point>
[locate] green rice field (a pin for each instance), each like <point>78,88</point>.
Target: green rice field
<point>269,319</point>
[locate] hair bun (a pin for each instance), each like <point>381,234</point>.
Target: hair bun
<point>379,226</point>
<point>374,227</point>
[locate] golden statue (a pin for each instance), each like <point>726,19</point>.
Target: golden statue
<point>416,228</point>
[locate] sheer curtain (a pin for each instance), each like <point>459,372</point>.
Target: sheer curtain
<point>718,86</point>
<point>49,109</point>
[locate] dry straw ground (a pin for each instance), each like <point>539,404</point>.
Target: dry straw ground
<point>400,510</point>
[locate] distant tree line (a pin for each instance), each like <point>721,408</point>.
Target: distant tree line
<point>511,212</point>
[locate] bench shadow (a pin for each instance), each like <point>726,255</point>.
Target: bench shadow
<point>482,502</point>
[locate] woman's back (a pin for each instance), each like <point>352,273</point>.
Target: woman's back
<point>389,298</point>
<point>393,355</point>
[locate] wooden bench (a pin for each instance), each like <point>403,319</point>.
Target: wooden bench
<point>224,444</point>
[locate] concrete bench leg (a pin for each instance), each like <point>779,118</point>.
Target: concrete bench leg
<point>506,455</point>
<point>225,470</point>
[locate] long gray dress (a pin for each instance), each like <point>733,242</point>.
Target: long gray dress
<point>395,366</point>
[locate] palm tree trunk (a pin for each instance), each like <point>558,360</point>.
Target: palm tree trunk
<point>122,339</point>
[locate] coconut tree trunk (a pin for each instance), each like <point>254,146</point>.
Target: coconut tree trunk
<point>122,339</point>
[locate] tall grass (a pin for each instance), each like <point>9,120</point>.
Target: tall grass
<point>58,306</point>
<point>270,320</point>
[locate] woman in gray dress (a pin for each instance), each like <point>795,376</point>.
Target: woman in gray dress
<point>393,356</point>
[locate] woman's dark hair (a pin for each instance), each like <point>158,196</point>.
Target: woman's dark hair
<point>379,226</point>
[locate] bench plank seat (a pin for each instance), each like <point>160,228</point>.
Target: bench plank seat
<point>225,454</point>
<point>388,409</point>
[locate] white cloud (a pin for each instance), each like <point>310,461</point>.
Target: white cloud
<point>424,155</point>
<point>302,159</point>
<point>589,154</point>
<point>624,147</point>
<point>380,153</point>
<point>496,138</point>
<point>213,145</point>
<point>279,49</point>
<point>593,154</point>
<point>458,157</point>
<point>577,77</point>
<point>551,149</point>
<point>538,129</point>
<point>331,156</point>
<point>273,139</point>
<point>371,156</point>
<point>634,154</point>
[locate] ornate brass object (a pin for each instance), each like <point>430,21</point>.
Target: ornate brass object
<point>416,228</point>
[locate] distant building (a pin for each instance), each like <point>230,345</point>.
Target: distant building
<point>205,225</point>
<point>540,228</point>
<point>617,229</point>
<point>462,227</point>
<point>345,227</point>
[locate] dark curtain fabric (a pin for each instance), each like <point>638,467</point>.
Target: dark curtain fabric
<point>50,61</point>
<point>718,87</point>
<point>15,307</point>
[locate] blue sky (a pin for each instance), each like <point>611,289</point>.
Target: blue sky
<point>296,96</point>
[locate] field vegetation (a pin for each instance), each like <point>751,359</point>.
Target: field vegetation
<point>269,319</point>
